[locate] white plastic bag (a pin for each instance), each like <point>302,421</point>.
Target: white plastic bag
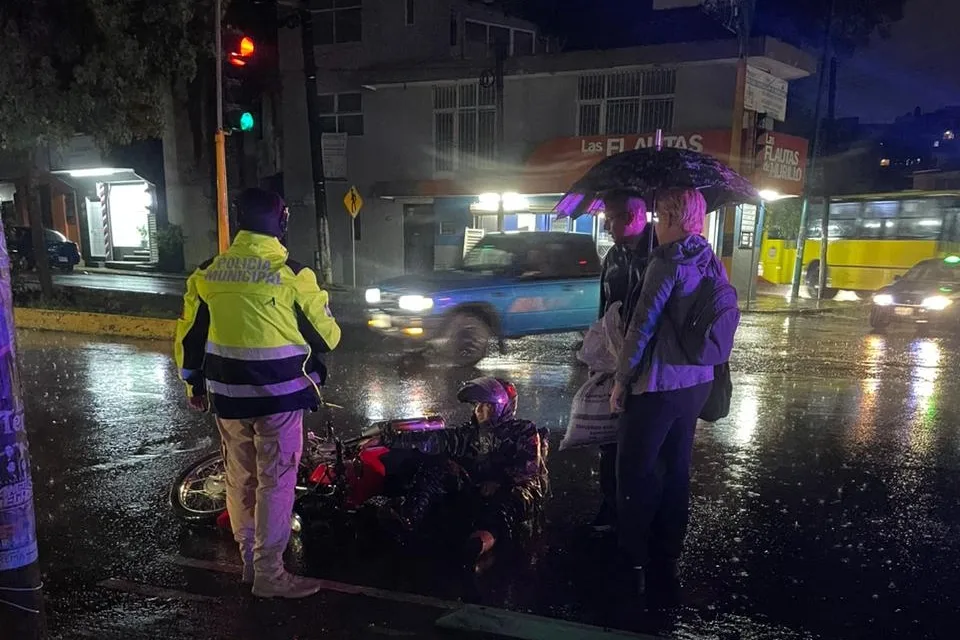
<point>601,344</point>
<point>591,423</point>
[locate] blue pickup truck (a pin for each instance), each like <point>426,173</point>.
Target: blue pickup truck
<point>509,285</point>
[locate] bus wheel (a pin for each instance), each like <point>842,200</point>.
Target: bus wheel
<point>813,283</point>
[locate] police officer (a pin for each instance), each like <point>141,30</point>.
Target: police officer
<point>248,343</point>
<point>625,219</point>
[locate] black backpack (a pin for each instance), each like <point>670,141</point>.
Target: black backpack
<point>706,337</point>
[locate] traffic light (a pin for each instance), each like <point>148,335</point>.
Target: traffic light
<point>241,92</point>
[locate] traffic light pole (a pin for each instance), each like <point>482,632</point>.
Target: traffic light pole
<point>220,139</point>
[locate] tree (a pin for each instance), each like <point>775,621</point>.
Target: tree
<point>96,67</point>
<point>783,218</point>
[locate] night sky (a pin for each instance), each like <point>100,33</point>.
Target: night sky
<point>918,66</point>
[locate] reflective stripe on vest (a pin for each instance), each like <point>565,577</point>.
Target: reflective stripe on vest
<point>263,390</point>
<point>258,354</point>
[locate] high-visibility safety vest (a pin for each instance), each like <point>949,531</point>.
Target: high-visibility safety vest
<point>252,328</point>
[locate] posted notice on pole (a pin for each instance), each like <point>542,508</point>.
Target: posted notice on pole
<point>766,93</point>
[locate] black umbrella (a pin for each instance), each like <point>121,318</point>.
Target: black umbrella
<point>646,171</point>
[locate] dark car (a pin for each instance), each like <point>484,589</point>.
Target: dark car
<point>509,285</point>
<point>929,293</point>
<point>61,252</point>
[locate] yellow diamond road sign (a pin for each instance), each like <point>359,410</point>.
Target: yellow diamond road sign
<point>353,202</point>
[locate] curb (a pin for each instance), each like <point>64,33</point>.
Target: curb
<point>788,312</point>
<point>94,323</point>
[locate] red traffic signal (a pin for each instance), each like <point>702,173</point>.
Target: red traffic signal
<point>241,53</point>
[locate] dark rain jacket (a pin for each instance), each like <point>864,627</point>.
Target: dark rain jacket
<point>622,274</point>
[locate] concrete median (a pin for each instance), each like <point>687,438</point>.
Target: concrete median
<point>103,324</point>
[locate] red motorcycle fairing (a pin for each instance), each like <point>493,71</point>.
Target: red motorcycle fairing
<point>365,475</point>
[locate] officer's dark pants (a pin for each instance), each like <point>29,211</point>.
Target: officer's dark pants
<point>655,444</point>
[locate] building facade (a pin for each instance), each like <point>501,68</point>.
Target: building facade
<point>407,93</point>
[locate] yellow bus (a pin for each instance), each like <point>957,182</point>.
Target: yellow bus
<point>872,239</point>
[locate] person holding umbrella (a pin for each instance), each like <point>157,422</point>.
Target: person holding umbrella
<point>625,219</point>
<point>659,396</point>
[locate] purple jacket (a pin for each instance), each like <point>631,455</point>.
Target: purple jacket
<point>651,358</point>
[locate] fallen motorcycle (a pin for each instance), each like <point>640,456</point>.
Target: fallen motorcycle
<point>336,477</point>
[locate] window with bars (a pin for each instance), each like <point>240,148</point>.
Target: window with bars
<point>337,21</point>
<point>517,42</point>
<point>626,102</point>
<point>341,113</point>
<point>465,124</point>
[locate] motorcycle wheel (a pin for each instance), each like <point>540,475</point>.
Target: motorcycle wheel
<point>199,494</point>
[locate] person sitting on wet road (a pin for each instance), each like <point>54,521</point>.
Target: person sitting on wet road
<point>625,219</point>
<point>497,462</point>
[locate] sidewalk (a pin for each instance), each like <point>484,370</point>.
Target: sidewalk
<point>777,304</point>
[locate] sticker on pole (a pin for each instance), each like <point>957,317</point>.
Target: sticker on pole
<point>353,202</point>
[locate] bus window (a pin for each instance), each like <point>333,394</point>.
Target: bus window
<point>877,220</point>
<point>881,209</point>
<point>838,229</point>
<point>919,228</point>
<point>870,229</point>
<point>951,217</point>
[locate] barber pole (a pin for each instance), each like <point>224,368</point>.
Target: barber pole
<point>103,192</point>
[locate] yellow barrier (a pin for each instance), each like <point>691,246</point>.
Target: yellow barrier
<point>103,324</point>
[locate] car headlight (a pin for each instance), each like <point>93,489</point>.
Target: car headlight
<point>415,303</point>
<point>883,299</point>
<point>373,296</point>
<point>937,303</point>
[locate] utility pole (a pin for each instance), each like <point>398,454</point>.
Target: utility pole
<point>21,595</point>
<point>500,54</point>
<point>220,138</point>
<point>744,26</point>
<point>814,155</point>
<point>825,186</point>
<point>322,257</point>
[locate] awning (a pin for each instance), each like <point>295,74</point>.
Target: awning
<point>85,180</point>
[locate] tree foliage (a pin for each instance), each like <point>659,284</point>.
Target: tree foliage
<point>783,218</point>
<point>98,67</point>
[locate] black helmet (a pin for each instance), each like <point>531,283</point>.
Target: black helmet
<point>262,211</point>
<point>502,395</point>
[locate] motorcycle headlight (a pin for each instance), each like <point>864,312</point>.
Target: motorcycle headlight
<point>415,304</point>
<point>373,296</point>
<point>883,299</point>
<point>937,303</point>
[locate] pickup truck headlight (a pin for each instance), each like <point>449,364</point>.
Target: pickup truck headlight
<point>937,303</point>
<point>415,304</point>
<point>373,296</point>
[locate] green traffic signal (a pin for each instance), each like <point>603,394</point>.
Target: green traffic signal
<point>246,121</point>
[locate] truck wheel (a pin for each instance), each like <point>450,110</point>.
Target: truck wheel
<point>813,283</point>
<point>468,339</point>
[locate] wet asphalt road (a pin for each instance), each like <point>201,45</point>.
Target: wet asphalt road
<point>137,283</point>
<point>826,506</point>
